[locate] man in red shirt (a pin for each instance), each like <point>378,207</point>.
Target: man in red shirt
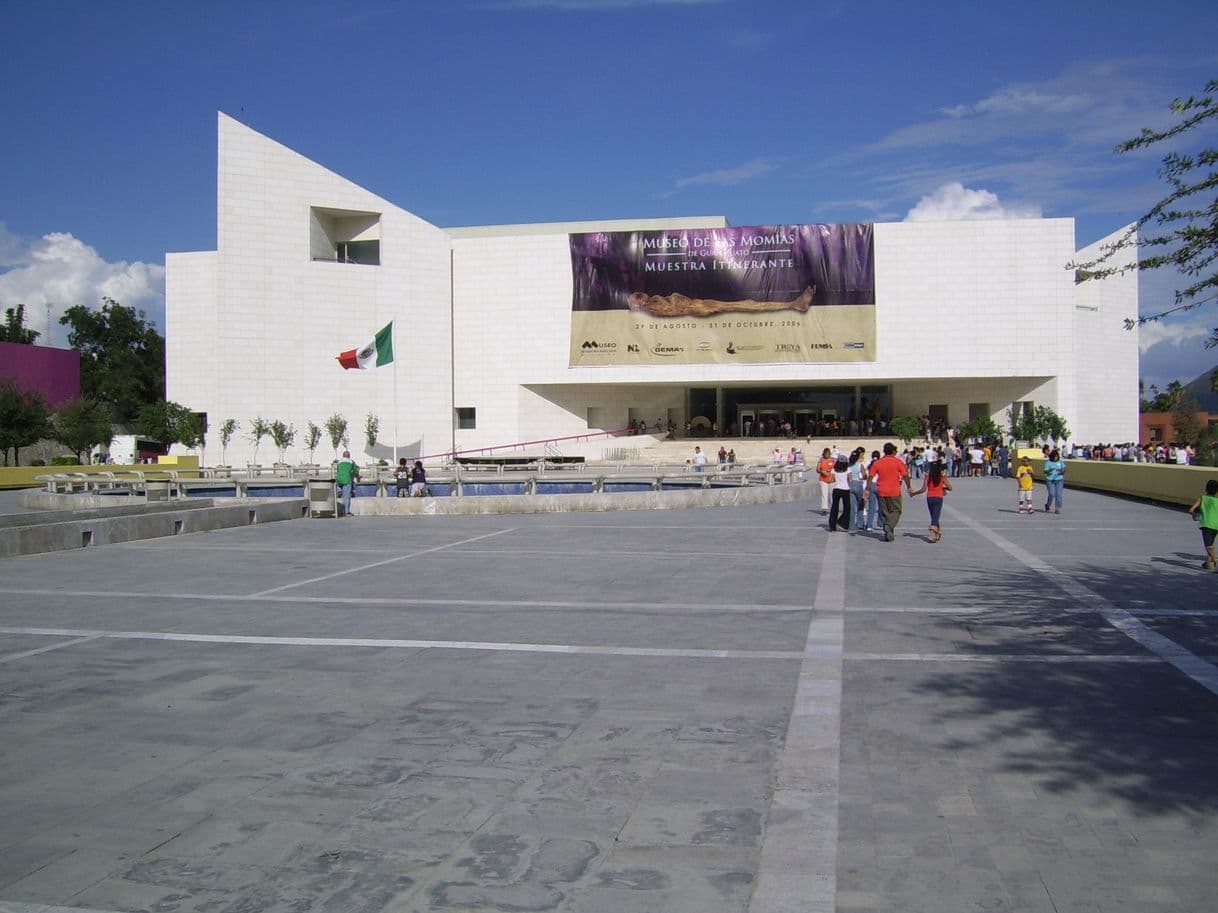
<point>886,474</point>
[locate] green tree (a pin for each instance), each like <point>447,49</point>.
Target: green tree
<point>170,423</point>
<point>1184,419</point>
<point>312,439</point>
<point>1184,224</point>
<point>81,425</point>
<point>228,428</point>
<point>982,428</point>
<point>259,428</point>
<point>372,427</point>
<point>14,329</point>
<point>906,427</point>
<point>1051,425</point>
<point>336,430</point>
<point>283,436</point>
<point>1162,400</point>
<point>122,357</point>
<point>23,419</point>
<point>1022,424</point>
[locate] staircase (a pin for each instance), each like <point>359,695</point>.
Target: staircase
<point>748,450</point>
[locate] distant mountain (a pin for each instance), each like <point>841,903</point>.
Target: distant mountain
<point>1203,389</point>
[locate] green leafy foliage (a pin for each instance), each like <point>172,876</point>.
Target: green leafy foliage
<point>13,329</point>
<point>981,429</point>
<point>283,435</point>
<point>372,427</point>
<point>23,419</point>
<point>122,357</point>
<point>259,428</point>
<point>906,427</point>
<point>312,438</point>
<point>336,430</point>
<point>1181,230</point>
<point>170,423</point>
<point>228,428</point>
<point>81,425</point>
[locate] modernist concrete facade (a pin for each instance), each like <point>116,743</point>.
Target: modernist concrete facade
<point>970,318</point>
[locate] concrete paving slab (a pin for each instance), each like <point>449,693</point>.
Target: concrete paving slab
<point>726,709</point>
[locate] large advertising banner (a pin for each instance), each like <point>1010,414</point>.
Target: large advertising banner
<point>767,294</point>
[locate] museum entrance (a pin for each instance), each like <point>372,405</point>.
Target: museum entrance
<point>813,411</point>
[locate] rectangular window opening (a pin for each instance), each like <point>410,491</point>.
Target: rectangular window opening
<point>467,418</point>
<point>345,236</point>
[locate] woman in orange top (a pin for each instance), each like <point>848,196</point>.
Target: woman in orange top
<point>824,474</point>
<point>936,485</point>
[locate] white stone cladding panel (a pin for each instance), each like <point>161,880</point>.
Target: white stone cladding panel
<point>966,312</point>
<point>1107,360</point>
<point>965,300</point>
<point>281,318</point>
<point>190,331</point>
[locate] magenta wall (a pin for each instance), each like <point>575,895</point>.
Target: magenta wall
<point>55,373</point>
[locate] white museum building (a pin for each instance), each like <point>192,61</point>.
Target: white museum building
<point>523,334</point>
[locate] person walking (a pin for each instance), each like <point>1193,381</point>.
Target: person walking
<point>824,475</point>
<point>839,513</point>
<point>1055,480</point>
<point>936,487</point>
<point>1207,504</point>
<point>888,472</point>
<point>873,500</point>
<point>856,469</point>
<point>346,473</point>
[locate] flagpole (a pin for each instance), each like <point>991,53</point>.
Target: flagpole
<point>394,333</point>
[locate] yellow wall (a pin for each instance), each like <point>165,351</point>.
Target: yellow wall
<point>23,476</point>
<point>1152,481</point>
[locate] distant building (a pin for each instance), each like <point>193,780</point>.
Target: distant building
<point>514,333</point>
<point>1159,427</point>
<point>54,374</point>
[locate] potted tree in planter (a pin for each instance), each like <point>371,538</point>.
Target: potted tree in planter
<point>283,435</point>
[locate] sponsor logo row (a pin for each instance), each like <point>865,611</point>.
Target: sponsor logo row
<point>601,347</point>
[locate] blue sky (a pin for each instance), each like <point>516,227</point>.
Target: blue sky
<point>489,111</point>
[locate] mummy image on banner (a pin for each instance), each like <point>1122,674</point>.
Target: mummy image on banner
<point>765,294</point>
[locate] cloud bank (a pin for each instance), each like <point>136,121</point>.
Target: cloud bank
<point>58,270</point>
<point>953,201</point>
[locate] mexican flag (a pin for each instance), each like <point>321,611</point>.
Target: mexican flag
<point>376,352</point>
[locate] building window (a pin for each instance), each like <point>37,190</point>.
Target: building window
<point>345,236</point>
<point>366,252</point>
<point>978,410</point>
<point>466,418</point>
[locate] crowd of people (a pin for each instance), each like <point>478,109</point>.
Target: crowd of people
<point>861,492</point>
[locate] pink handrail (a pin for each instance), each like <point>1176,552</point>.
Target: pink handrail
<point>483,451</point>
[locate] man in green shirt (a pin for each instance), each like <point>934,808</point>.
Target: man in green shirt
<point>345,475</point>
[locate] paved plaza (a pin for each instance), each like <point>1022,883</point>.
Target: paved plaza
<point>725,710</point>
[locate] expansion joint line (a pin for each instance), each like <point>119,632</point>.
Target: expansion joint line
<point>797,872</point>
<point>1199,670</point>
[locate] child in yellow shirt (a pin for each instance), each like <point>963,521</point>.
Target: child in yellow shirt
<point>1023,476</point>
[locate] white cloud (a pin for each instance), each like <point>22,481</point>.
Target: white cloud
<point>727,177</point>
<point>58,271</point>
<point>953,201</point>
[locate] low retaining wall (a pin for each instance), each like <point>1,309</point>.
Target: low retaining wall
<point>540,504</point>
<point>1166,483</point>
<point>82,524</point>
